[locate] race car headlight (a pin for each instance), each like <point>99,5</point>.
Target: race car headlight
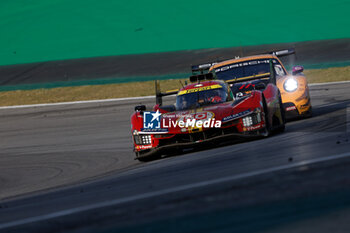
<point>146,139</point>
<point>143,139</point>
<point>247,121</point>
<point>290,85</point>
<point>252,119</point>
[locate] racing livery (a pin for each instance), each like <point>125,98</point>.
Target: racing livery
<point>293,87</point>
<point>207,110</point>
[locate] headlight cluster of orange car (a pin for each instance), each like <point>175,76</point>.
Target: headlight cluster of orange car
<point>290,85</point>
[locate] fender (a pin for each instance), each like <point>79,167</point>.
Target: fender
<point>136,121</point>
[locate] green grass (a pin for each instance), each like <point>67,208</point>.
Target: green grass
<point>92,92</point>
<point>328,75</point>
<point>88,92</point>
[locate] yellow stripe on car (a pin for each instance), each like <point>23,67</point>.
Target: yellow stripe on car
<point>248,77</point>
<point>171,90</point>
<point>188,91</point>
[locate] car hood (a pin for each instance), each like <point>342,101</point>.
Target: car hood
<point>223,112</point>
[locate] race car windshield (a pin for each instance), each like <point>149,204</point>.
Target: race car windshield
<point>243,69</point>
<point>201,98</point>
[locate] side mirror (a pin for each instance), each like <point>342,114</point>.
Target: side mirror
<point>140,108</point>
<point>297,70</point>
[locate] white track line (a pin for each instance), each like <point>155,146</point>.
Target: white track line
<point>328,83</point>
<point>121,99</point>
<point>166,191</point>
<point>77,102</point>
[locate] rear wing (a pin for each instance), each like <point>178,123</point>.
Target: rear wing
<point>282,53</point>
<point>159,94</point>
<point>201,77</point>
<point>202,68</point>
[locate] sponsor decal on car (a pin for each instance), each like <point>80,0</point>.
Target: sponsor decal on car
<point>143,147</point>
<point>188,91</point>
<point>156,131</point>
<point>291,108</point>
<point>250,128</point>
<point>235,116</point>
<point>241,64</point>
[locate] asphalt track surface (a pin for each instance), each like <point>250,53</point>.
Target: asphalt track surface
<point>71,169</point>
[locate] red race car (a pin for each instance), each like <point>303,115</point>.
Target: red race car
<point>207,110</point>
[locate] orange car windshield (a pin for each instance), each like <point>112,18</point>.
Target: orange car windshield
<point>243,69</point>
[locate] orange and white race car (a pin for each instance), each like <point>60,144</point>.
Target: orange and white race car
<point>293,87</point>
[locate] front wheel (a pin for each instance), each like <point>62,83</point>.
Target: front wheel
<point>309,113</point>
<point>146,156</point>
<point>282,125</point>
<point>267,130</point>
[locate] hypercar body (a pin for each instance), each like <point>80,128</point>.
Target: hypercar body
<point>207,110</point>
<point>293,87</point>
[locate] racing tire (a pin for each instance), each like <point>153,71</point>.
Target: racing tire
<point>268,129</point>
<point>147,158</point>
<point>309,113</point>
<point>282,126</point>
